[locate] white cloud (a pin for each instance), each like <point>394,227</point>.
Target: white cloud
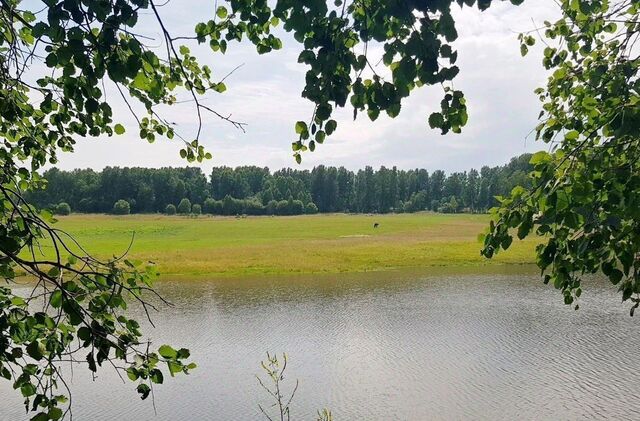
<point>265,93</point>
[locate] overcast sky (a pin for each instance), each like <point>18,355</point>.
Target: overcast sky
<point>265,93</point>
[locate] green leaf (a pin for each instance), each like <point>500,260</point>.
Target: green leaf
<point>118,129</point>
<point>132,373</point>
<point>324,111</point>
<point>34,350</point>
<point>447,27</point>
<point>167,352</point>
<point>572,135</point>
<point>144,390</point>
<point>92,362</point>
<point>301,127</point>
<point>436,120</point>
<point>330,127</point>
<point>156,376</point>
<point>55,413</point>
<point>539,157</point>
<point>56,299</point>
<point>18,301</point>
<point>40,416</point>
<point>393,110</point>
<point>174,367</point>
<point>222,12</point>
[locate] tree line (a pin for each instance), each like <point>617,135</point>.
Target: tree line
<point>256,190</point>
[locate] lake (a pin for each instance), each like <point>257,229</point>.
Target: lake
<point>399,346</point>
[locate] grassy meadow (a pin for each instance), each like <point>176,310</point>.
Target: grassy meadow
<point>227,246</point>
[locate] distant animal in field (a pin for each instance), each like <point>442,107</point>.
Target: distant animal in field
<point>376,225</point>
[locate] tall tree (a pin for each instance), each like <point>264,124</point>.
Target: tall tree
<point>436,185</point>
<point>471,190</point>
<point>319,188</point>
<point>345,181</point>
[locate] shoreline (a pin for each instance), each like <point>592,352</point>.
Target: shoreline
<point>420,271</point>
<point>389,274</point>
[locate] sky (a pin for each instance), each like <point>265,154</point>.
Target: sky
<point>265,93</point>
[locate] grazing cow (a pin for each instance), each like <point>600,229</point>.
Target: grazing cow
<point>376,225</point>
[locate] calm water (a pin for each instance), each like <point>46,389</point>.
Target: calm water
<point>385,347</point>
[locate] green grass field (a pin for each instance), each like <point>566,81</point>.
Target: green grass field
<point>220,246</point>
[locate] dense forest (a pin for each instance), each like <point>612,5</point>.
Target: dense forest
<point>254,191</point>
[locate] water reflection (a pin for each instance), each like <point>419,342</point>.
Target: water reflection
<point>387,346</point>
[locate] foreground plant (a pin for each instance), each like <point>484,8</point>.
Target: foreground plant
<point>76,313</point>
<point>274,369</point>
<point>585,198</point>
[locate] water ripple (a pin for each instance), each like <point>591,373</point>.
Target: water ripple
<point>469,347</point>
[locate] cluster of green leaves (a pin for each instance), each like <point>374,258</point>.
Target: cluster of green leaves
<point>144,368</point>
<point>84,45</point>
<point>80,303</point>
<point>27,332</point>
<point>79,306</point>
<point>585,199</point>
<point>416,37</point>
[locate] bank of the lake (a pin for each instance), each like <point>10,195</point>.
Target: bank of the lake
<point>206,247</point>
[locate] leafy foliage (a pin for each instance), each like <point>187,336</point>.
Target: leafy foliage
<point>311,208</point>
<point>170,210</point>
<point>415,38</point>
<point>82,301</point>
<point>63,208</point>
<point>184,207</point>
<point>250,189</point>
<point>585,196</point>
<point>121,207</point>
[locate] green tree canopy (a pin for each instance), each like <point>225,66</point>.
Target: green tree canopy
<point>338,189</point>
<point>170,209</point>
<point>121,207</point>
<point>63,208</point>
<point>184,207</point>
